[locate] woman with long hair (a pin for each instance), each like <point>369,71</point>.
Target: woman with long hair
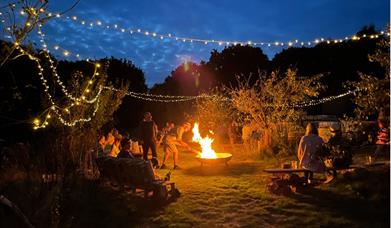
<point>309,152</point>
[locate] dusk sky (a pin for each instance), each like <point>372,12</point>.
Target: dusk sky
<point>233,20</point>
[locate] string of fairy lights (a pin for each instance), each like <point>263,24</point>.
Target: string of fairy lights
<point>170,36</point>
<point>143,96</point>
<point>57,111</point>
<point>322,100</point>
<point>54,108</point>
<point>58,79</point>
<point>220,42</point>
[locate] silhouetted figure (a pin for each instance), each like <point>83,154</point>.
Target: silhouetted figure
<point>148,136</point>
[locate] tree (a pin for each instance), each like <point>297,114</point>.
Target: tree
<point>214,113</point>
<point>75,97</point>
<point>270,104</point>
<point>372,94</point>
<point>120,72</point>
<point>72,145</point>
<point>236,61</point>
<point>338,62</point>
<point>188,79</point>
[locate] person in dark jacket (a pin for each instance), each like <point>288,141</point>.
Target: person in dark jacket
<point>148,136</point>
<point>125,150</point>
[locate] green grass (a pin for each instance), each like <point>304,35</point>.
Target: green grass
<point>227,196</point>
<point>237,196</point>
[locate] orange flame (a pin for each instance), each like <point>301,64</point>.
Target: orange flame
<point>206,143</point>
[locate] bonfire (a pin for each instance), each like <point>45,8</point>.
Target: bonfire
<point>207,154</point>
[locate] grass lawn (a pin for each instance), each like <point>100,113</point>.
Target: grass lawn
<point>237,196</point>
<point>230,196</point>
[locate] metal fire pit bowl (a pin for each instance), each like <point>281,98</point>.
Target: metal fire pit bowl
<point>221,158</point>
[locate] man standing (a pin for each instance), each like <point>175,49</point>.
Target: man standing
<point>148,136</point>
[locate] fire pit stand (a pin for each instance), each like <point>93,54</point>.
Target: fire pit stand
<point>220,159</point>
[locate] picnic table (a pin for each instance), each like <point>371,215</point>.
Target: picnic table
<point>284,177</point>
<point>288,171</point>
<point>285,181</point>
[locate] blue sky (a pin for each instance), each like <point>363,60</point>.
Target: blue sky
<point>244,20</point>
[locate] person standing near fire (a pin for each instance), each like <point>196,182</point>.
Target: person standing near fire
<point>148,136</point>
<point>173,138</point>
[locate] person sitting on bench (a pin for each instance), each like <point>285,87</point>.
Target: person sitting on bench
<point>125,150</point>
<point>309,152</point>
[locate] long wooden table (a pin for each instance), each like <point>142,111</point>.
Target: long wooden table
<point>285,171</point>
<point>280,172</point>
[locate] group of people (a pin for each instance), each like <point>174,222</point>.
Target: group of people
<point>170,137</point>
<point>241,133</point>
<point>114,144</point>
<point>311,147</point>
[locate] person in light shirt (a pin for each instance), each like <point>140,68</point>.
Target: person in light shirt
<point>174,138</point>
<point>309,152</point>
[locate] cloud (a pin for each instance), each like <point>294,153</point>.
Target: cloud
<point>227,20</point>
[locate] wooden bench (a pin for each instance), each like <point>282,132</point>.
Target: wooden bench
<point>282,173</point>
<point>137,174</point>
